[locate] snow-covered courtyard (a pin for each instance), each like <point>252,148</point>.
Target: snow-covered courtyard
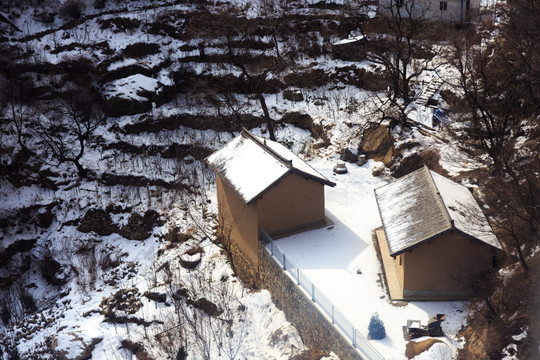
<point>341,261</point>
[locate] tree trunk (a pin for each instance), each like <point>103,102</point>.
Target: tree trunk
<point>83,173</point>
<point>520,255</point>
<point>269,125</point>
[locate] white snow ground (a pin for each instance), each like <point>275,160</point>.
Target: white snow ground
<point>341,261</point>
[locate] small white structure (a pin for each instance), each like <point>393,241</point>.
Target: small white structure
<point>449,10</point>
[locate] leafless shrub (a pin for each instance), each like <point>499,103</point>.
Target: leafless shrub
<point>109,257</point>
<point>86,270</point>
<point>91,260</point>
<point>16,303</point>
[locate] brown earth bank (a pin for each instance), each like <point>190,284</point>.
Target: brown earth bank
<point>498,318</point>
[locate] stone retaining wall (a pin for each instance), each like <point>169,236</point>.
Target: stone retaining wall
<point>314,328</point>
<point>245,269</point>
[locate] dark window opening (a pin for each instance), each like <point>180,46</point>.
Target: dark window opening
<point>443,5</point>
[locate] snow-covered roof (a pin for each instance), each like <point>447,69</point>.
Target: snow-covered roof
<point>349,40</point>
<point>424,204</point>
<point>251,165</point>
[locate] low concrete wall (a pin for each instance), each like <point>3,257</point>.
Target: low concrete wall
<point>314,328</point>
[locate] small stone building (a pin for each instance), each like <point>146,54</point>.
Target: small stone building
<point>435,239</point>
<point>263,185</point>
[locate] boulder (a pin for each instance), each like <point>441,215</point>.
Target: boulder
<point>155,296</point>
<point>53,272</point>
<point>378,144</point>
<point>130,95</point>
<point>476,342</point>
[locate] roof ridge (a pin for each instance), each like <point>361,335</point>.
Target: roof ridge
<point>262,145</point>
<point>438,196</point>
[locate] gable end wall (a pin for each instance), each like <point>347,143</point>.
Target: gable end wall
<point>295,202</point>
<point>444,266</point>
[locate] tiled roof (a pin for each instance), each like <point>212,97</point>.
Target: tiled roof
<point>424,204</point>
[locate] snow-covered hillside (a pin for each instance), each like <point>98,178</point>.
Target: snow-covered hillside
<point>108,214</point>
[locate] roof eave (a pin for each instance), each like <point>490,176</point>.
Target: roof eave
<point>418,243</point>
<point>394,254</point>
<point>480,240</point>
<point>289,172</point>
<point>321,180</point>
<point>265,190</point>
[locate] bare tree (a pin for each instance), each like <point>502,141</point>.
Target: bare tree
<point>499,89</point>
<point>514,199</point>
<point>492,96</point>
<point>67,127</point>
<point>255,74</point>
<point>522,50</point>
<point>400,40</point>
<point>232,26</point>
<point>225,101</point>
<point>16,302</point>
<point>232,332</point>
<point>20,117</point>
<point>16,108</point>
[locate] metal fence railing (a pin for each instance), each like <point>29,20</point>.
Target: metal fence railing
<point>326,307</point>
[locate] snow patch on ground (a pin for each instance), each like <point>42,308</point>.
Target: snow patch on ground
<point>131,86</point>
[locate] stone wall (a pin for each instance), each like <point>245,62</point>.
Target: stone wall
<point>314,328</point>
<point>245,269</point>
